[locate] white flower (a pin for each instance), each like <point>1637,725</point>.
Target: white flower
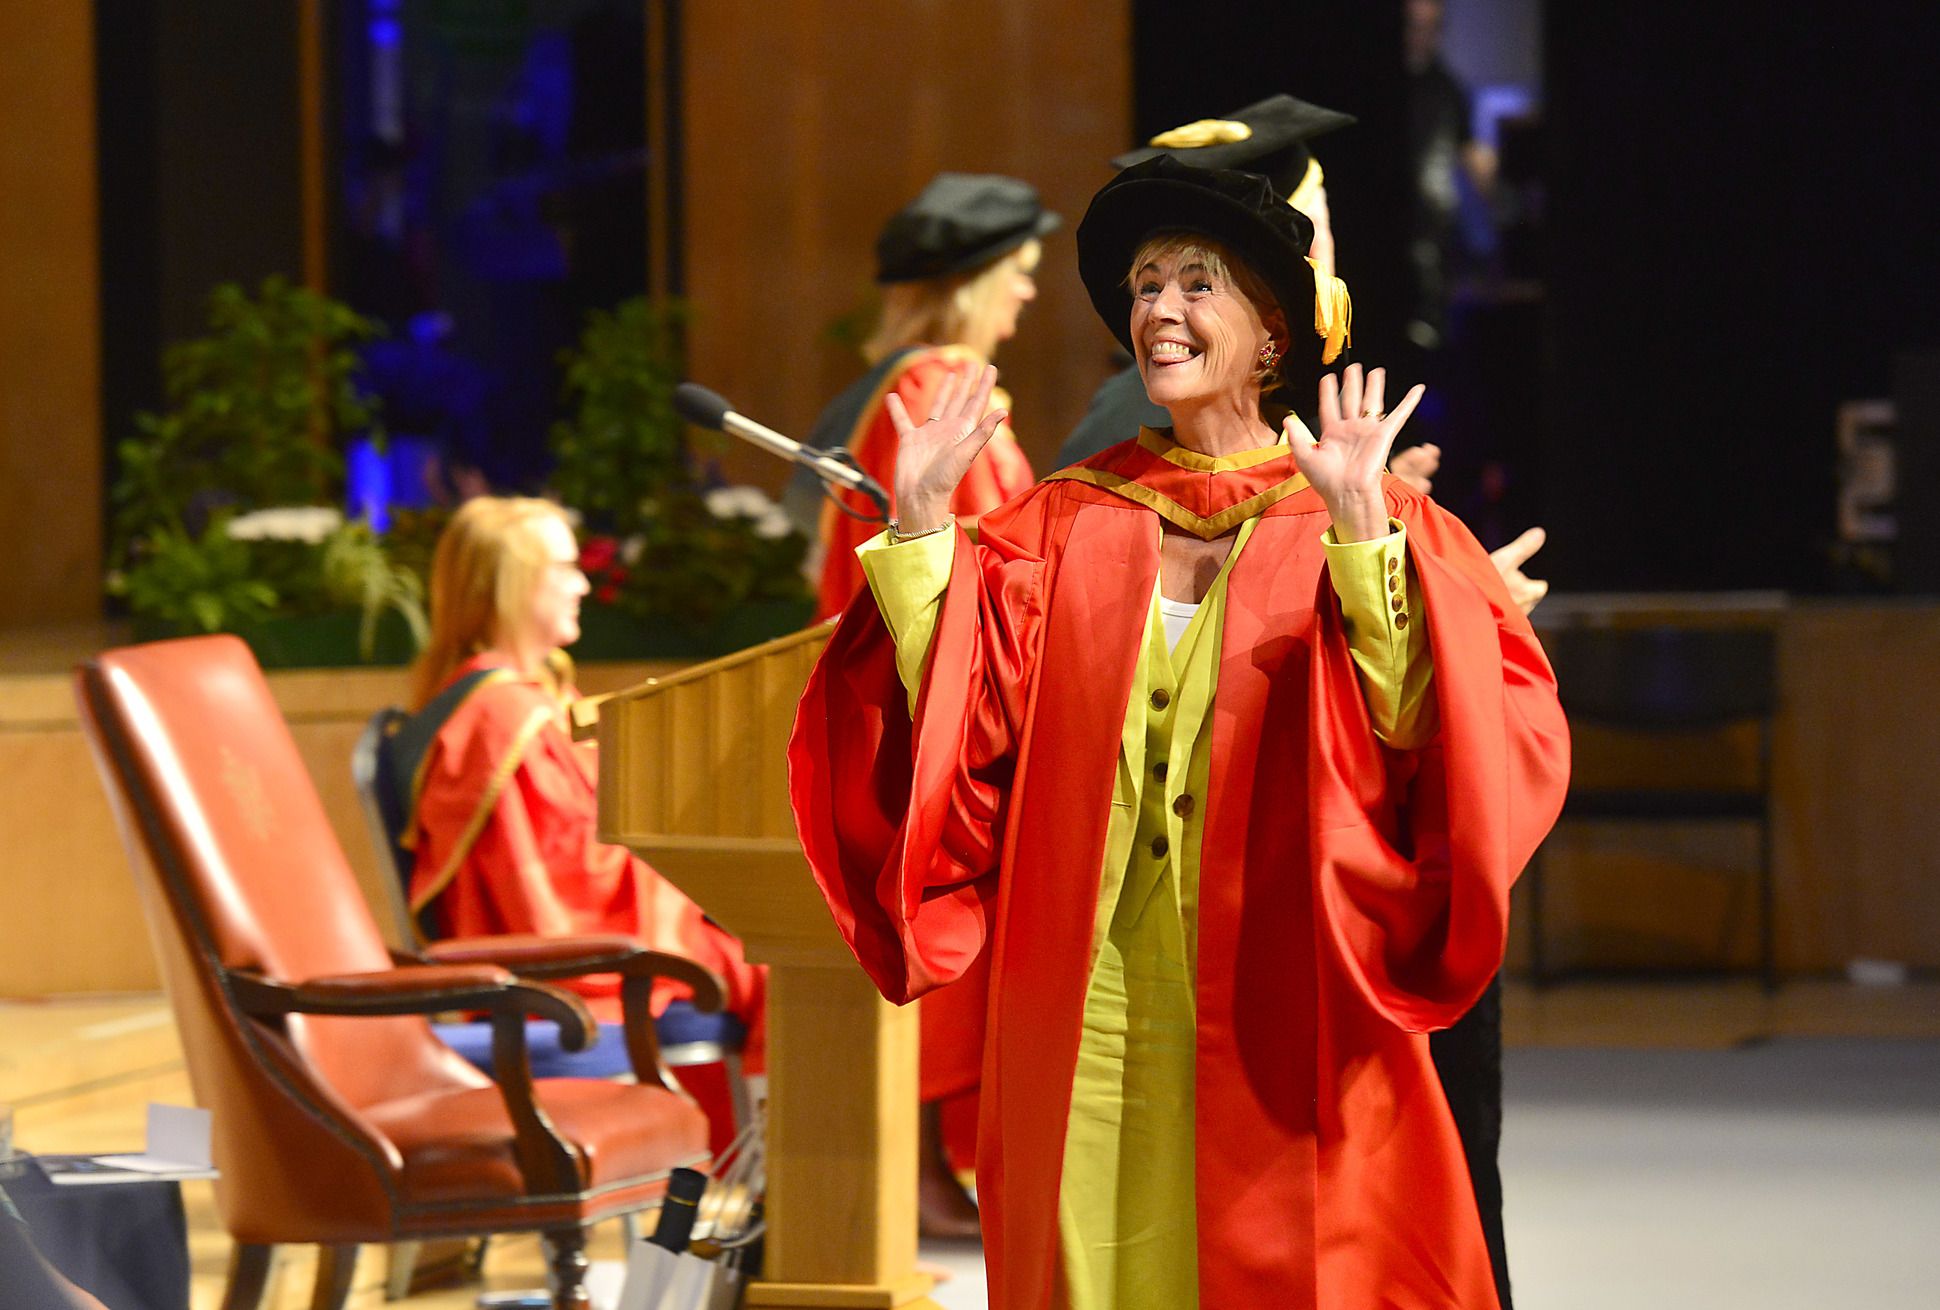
<point>632,549</point>
<point>770,520</point>
<point>737,503</point>
<point>309,523</point>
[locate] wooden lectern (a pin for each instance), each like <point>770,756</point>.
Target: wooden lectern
<point>694,777</point>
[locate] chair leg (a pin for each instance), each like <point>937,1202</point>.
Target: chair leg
<point>249,1266</point>
<point>336,1270</point>
<point>404,1261</point>
<point>567,1264</point>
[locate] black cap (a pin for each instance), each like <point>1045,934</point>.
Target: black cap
<point>1269,137</point>
<point>1239,210</point>
<point>960,222</point>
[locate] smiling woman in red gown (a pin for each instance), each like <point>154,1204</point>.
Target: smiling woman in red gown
<point>1230,746</point>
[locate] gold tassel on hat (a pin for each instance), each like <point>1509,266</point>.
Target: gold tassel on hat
<point>1205,132</point>
<point>1333,314</point>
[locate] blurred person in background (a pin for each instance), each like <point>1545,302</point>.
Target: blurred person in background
<point>957,266</point>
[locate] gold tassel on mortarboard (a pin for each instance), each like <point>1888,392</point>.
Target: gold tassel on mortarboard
<point>1333,314</point>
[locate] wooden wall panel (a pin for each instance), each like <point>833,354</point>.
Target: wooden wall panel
<point>50,420</point>
<point>806,125</point>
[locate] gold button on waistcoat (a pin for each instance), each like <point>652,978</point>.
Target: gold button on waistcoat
<point>1161,698</point>
<point>1183,806</point>
<point>1401,620</point>
<point>1394,564</point>
<point>1396,603</point>
<point>1159,846</point>
<point>1158,770</point>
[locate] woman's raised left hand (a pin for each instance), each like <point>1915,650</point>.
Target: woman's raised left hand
<point>1344,464</point>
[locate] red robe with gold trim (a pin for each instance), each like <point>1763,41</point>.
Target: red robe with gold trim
<point>505,833</point>
<point>1352,897</point>
<point>1000,471</point>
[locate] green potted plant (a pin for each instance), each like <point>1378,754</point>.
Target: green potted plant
<point>223,504</point>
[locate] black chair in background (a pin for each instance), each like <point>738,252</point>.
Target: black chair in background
<point>1670,684</point>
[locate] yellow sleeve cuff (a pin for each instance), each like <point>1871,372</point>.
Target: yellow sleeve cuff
<point>908,579</point>
<point>1387,633</point>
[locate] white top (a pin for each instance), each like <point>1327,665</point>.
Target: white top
<point>1177,614</point>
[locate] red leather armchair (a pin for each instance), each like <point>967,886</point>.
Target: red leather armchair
<point>339,1117</point>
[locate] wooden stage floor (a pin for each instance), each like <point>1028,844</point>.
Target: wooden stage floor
<point>80,1072</point>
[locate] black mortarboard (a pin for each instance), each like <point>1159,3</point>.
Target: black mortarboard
<point>961,221</point>
<point>1269,137</point>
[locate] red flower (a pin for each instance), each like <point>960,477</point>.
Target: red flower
<point>606,593</point>
<point>597,554</point>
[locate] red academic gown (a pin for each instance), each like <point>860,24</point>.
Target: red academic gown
<point>1000,472</point>
<point>506,790</point>
<point>953,1019</point>
<point>1352,897</point>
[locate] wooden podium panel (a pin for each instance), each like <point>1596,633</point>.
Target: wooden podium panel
<point>694,778</point>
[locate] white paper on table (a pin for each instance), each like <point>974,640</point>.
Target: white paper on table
<point>178,1142</point>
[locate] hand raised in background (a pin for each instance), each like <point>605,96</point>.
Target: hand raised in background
<point>1525,591</point>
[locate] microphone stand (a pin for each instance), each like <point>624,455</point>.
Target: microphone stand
<point>836,468</point>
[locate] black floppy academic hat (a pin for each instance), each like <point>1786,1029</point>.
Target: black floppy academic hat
<point>961,221</point>
<point>1239,210</point>
<point>1269,136</point>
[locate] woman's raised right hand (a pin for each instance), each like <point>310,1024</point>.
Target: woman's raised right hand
<point>932,458</point>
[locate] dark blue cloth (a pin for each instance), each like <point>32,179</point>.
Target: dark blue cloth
<point>126,1243</point>
<point>606,1058</point>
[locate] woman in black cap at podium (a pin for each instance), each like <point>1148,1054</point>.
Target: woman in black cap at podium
<point>956,267</point>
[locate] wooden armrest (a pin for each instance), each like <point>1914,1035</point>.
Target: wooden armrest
<point>419,989</point>
<point>533,956</point>
<point>537,957</point>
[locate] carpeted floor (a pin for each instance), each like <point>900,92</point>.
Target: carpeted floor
<point>1791,1174</point>
<point>1795,1173</point>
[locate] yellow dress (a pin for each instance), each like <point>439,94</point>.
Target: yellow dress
<point>1126,1222</point>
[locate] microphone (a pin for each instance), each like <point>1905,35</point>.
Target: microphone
<point>708,409</point>
<point>678,1210</point>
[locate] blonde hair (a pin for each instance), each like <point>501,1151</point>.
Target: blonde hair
<point>949,311</point>
<point>484,572</point>
<point>1186,248</point>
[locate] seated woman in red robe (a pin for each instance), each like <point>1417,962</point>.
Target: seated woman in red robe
<point>1229,746</point>
<point>505,816</point>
